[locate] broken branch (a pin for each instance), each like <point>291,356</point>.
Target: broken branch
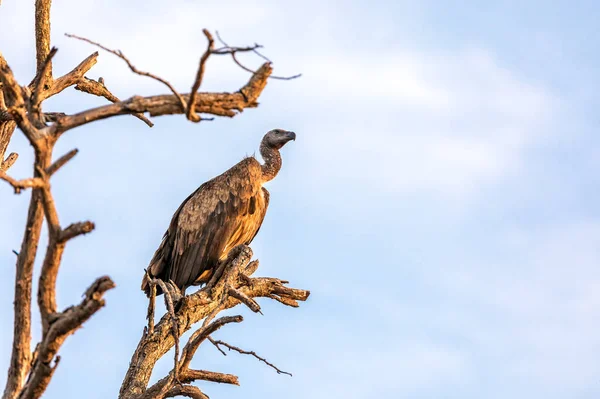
<point>60,162</point>
<point>245,299</point>
<point>18,185</point>
<point>9,161</point>
<point>188,376</point>
<point>98,88</point>
<point>76,229</point>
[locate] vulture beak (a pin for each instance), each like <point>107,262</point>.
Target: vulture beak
<point>291,136</point>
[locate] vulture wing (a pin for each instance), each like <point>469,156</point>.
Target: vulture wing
<point>222,213</point>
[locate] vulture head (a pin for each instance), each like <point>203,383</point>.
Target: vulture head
<point>277,138</point>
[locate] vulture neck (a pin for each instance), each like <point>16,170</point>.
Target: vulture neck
<point>272,163</point>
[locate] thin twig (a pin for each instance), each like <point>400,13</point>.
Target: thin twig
<point>60,162</point>
<point>120,54</point>
<point>41,81</point>
<point>190,113</point>
<point>226,49</point>
<point>251,353</point>
<point>200,335</point>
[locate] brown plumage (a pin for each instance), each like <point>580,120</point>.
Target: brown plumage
<point>221,214</point>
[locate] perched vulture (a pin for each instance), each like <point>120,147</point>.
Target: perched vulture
<point>222,213</point>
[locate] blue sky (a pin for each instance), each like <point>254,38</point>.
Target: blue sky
<point>440,202</point>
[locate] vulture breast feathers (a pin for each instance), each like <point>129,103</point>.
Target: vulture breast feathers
<point>222,213</point>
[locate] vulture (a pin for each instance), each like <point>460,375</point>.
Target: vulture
<point>221,214</point>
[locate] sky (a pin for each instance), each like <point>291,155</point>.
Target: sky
<point>440,201</point>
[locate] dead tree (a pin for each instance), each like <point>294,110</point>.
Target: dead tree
<point>31,369</point>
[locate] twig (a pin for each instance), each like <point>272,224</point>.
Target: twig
<point>98,88</point>
<point>251,353</point>
<point>60,162</point>
<point>284,300</point>
<point>18,185</point>
<point>9,161</point>
<point>200,335</point>
<point>246,300</point>
<point>75,229</point>
<point>234,50</point>
<point>120,54</point>
<point>42,80</point>
<point>73,77</point>
<point>186,390</point>
<point>193,375</point>
<point>217,346</point>
<point>191,115</point>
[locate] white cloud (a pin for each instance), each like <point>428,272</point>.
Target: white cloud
<point>442,123</point>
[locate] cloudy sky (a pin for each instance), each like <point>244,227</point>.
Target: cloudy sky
<point>440,202</point>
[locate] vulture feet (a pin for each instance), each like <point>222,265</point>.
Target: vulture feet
<point>175,292</point>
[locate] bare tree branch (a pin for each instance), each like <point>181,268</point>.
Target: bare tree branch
<point>188,391</point>
<point>188,376</point>
<point>190,113</point>
<point>240,296</point>
<point>60,162</point>
<point>220,104</point>
<point>200,335</point>
<point>251,353</point>
<point>13,96</point>
<point>21,106</point>
<point>75,229</point>
<point>98,88</point>
<point>9,161</point>
<point>20,361</point>
<point>193,308</point>
<point>63,325</point>
<point>18,185</point>
<point>119,54</point>
<point>226,49</point>
<point>41,81</point>
<point>71,78</point>
<point>42,38</point>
